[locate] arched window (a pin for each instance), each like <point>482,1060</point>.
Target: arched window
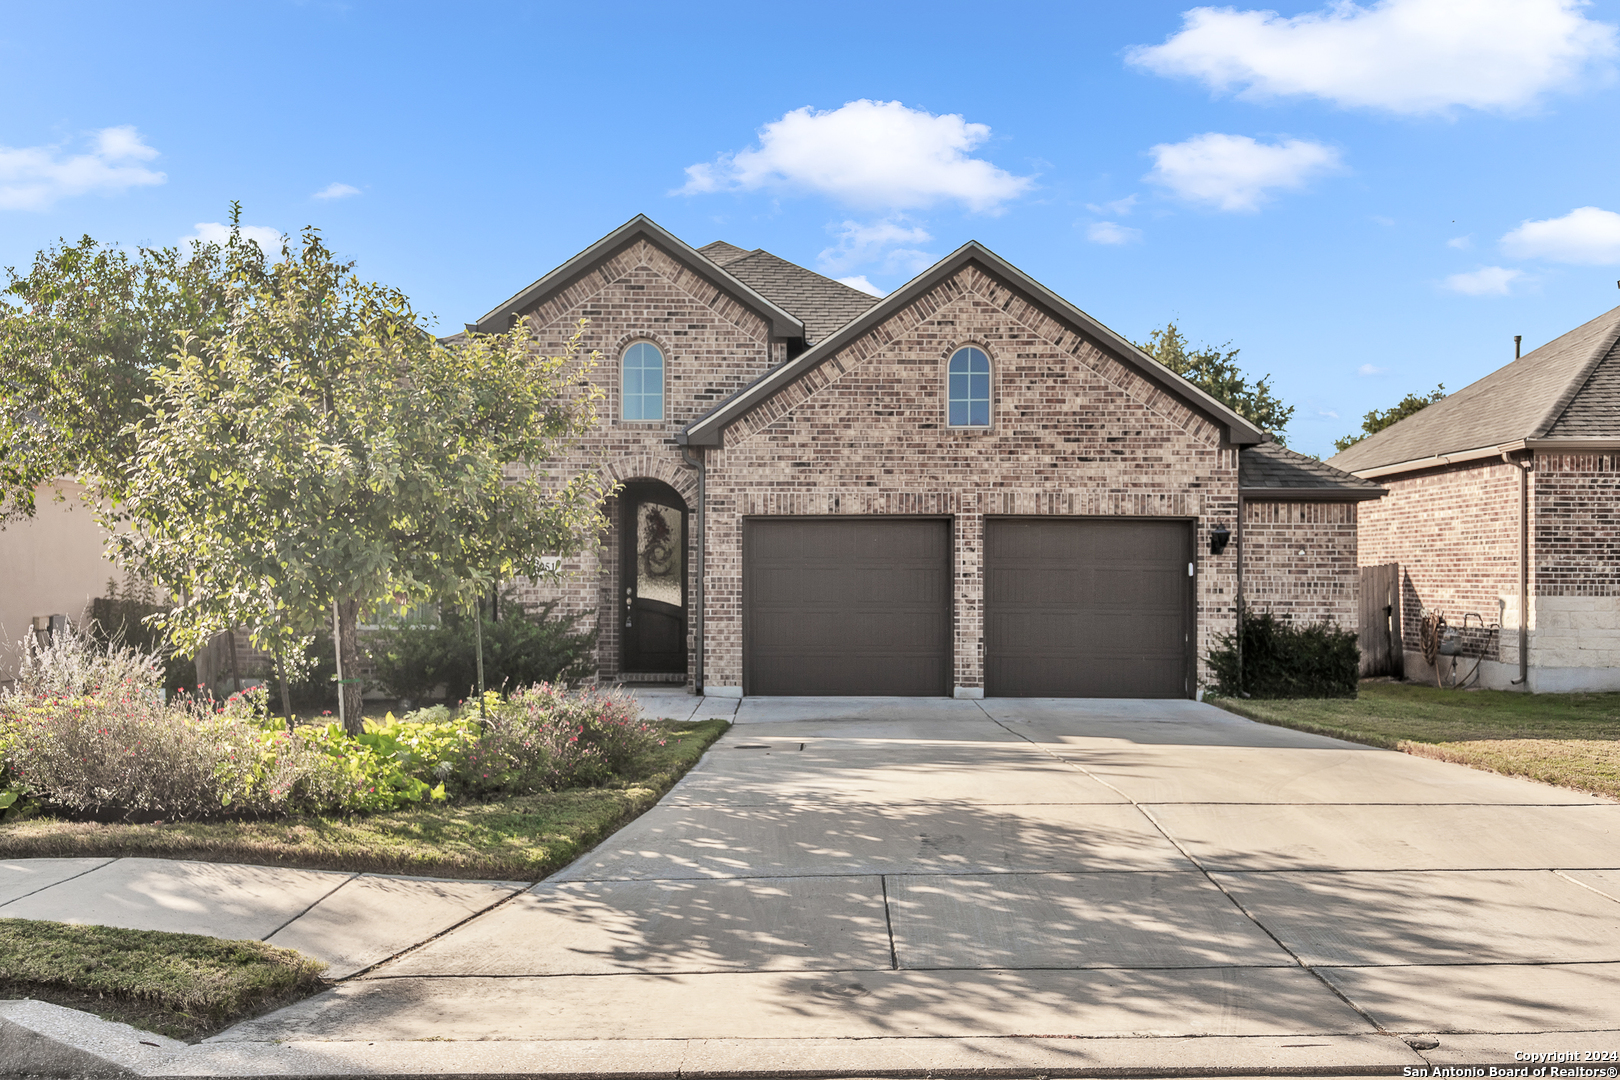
<point>968,388</point>
<point>643,382</point>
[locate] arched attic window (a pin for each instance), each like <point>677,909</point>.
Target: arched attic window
<point>643,383</point>
<point>967,388</point>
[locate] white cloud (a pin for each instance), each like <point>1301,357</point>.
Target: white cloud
<point>1461,243</point>
<point>335,190</point>
<point>1487,281</point>
<point>1587,235</point>
<point>1117,208</point>
<point>1234,172</point>
<point>1109,232</point>
<point>1380,219</point>
<point>212,232</point>
<point>859,282</point>
<point>877,154</point>
<point>1402,56</point>
<point>888,242</point>
<point>35,177</point>
<point>1367,369</point>
<point>1329,413</point>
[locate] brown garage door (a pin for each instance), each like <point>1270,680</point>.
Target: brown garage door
<point>1082,607</point>
<point>846,606</point>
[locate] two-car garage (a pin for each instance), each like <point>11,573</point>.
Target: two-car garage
<point>1072,606</point>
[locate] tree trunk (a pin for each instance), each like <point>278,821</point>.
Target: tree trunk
<point>286,694</point>
<point>348,656</point>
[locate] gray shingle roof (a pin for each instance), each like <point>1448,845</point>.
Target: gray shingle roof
<point>821,303</point>
<point>1271,469</point>
<point>1570,382</point>
<point>722,253</point>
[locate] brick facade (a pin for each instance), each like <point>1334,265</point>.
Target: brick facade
<point>713,346</point>
<point>1455,532</point>
<point>1075,431</point>
<point>1299,560</point>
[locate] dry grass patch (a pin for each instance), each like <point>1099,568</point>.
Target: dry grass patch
<point>181,985</point>
<point>1571,740</point>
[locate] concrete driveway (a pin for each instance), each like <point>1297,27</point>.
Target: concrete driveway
<point>1017,886</point>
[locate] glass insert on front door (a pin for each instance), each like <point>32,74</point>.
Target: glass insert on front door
<point>659,561</point>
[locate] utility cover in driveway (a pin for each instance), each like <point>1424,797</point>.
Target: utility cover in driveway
<point>1087,607</point>
<point>836,606</point>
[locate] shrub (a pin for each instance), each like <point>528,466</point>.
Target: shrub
<point>122,621</point>
<point>519,650</point>
<point>544,738</point>
<point>88,733</point>
<point>118,752</point>
<point>1285,661</point>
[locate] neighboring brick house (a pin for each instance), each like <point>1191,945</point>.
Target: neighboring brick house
<point>966,487</point>
<point>1504,503</point>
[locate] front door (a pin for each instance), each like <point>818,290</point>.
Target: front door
<point>652,528</point>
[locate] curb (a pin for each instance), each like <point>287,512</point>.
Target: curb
<point>38,1039</point>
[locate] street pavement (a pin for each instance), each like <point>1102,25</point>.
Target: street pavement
<point>865,886</point>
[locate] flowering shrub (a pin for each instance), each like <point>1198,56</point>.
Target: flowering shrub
<point>99,741</point>
<point>118,751</point>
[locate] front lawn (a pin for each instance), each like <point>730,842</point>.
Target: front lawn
<point>181,985</point>
<point>521,838</point>
<point>1572,740</point>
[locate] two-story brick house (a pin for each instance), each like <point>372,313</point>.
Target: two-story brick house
<point>969,486</point>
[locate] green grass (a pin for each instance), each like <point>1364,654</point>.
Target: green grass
<point>181,985</point>
<point>519,839</point>
<point>1572,740</point>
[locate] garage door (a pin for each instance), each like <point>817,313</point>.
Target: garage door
<point>1078,607</point>
<point>846,606</point>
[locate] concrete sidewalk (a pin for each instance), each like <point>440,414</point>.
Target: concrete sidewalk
<point>866,887</point>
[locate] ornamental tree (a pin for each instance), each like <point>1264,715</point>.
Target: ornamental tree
<point>1217,374</point>
<point>81,331</point>
<point>324,455</point>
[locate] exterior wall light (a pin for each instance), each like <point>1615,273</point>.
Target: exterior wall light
<point>1219,537</point>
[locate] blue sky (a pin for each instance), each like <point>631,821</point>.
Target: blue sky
<point>1366,200</point>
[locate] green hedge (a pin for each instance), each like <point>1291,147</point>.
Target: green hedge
<point>1281,660</point>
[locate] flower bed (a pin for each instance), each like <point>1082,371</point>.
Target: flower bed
<point>101,744</point>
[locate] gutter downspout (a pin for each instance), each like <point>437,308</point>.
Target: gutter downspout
<point>1524,571</point>
<point>698,463</point>
<point>1240,556</point>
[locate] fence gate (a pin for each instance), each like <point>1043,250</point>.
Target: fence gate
<point>1379,625</point>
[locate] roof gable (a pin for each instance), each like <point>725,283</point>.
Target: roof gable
<point>708,430</point>
<point>640,228</point>
<point>1527,399</point>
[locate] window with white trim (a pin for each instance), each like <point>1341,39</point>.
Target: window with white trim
<point>967,388</point>
<point>642,396</point>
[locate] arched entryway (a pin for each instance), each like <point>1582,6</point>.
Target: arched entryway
<point>652,579</point>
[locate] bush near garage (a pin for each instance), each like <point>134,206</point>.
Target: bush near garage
<point>520,649</point>
<point>1280,660</point>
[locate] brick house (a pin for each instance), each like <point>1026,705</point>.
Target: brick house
<point>969,486</point>
<point>1504,500</point>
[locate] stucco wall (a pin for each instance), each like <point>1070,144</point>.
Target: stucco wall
<point>50,565</point>
<point>1074,432</point>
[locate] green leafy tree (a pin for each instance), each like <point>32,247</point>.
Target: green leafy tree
<point>324,455</point>
<point>81,331</point>
<point>1376,421</point>
<point>1216,373</point>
